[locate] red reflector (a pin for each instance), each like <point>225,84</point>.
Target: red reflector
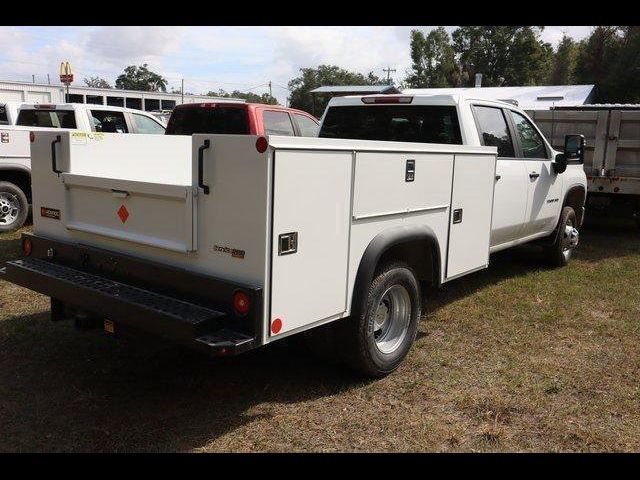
<point>276,326</point>
<point>387,99</point>
<point>32,137</point>
<point>27,246</point>
<point>241,303</point>
<point>261,144</point>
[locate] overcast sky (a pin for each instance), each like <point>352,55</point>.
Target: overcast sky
<point>210,58</point>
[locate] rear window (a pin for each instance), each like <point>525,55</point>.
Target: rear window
<point>229,120</point>
<point>4,116</point>
<point>397,123</point>
<point>47,118</point>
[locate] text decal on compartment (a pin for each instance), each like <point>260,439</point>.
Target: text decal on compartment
<point>234,252</point>
<point>50,213</point>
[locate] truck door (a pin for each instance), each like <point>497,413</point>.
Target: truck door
<point>544,185</point>
<point>510,201</point>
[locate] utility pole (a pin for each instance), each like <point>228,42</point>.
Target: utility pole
<point>33,78</point>
<point>270,93</point>
<point>388,71</point>
<point>182,90</point>
<point>48,79</point>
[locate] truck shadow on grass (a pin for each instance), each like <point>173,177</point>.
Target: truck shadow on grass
<point>65,390</point>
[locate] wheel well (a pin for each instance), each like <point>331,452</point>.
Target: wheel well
<point>20,178</point>
<point>575,198</point>
<point>417,245</point>
<point>419,254</point>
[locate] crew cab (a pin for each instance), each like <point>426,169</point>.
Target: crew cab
<point>227,242</point>
<point>15,161</point>
<point>241,119</point>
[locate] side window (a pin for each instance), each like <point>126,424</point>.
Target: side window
<point>494,131</point>
<point>108,122</point>
<point>308,128</point>
<point>530,140</point>
<point>277,123</point>
<point>146,124</point>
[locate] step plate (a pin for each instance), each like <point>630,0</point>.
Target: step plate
<point>110,298</point>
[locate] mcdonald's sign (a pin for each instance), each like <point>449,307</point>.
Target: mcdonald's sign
<point>66,75</point>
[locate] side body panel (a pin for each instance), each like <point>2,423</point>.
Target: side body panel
<point>311,200</point>
<point>470,219</point>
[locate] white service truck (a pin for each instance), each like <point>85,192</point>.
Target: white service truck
<point>18,119</point>
<point>229,242</point>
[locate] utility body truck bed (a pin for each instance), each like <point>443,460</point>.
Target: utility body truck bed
<point>229,242</point>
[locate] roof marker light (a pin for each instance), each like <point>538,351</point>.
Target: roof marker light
<point>387,99</point>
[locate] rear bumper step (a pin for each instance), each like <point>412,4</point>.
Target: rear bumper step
<point>141,309</point>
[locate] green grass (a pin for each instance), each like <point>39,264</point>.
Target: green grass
<point>518,357</point>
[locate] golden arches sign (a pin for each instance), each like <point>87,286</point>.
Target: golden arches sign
<point>66,74</point>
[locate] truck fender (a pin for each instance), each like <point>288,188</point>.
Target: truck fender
<point>384,242</point>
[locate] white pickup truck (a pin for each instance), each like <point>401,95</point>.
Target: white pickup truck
<point>229,242</point>
<point>18,119</point>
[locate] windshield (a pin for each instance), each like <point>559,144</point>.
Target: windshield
<point>187,121</point>
<point>47,118</point>
<point>398,123</point>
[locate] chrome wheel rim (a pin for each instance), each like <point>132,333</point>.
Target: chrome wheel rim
<point>391,319</point>
<point>570,239</point>
<point>9,208</point>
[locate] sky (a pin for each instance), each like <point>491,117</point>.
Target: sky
<point>213,58</point>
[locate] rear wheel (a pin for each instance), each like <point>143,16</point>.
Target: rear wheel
<point>378,341</point>
<point>14,207</point>
<point>566,239</point>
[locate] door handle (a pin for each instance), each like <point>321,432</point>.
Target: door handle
<point>54,163</point>
<point>201,150</point>
<point>534,175</point>
<point>498,177</point>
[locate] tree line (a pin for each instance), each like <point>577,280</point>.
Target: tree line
<point>609,58</point>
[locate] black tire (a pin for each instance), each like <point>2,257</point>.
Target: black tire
<point>359,339</point>
<point>14,207</point>
<point>559,253</point>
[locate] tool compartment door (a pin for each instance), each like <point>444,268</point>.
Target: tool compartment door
<point>470,213</point>
<point>158,215</point>
<point>311,204</point>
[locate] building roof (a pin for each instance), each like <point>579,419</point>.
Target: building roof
<point>531,98</point>
<point>356,89</point>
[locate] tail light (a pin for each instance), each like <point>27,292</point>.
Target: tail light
<point>27,246</point>
<point>241,302</point>
<point>387,99</point>
<point>261,144</point>
<point>32,137</point>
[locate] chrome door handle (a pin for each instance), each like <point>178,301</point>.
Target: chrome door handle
<point>534,175</point>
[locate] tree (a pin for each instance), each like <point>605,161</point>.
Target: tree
<point>324,75</point>
<point>624,83</point>
<point>505,55</point>
<point>564,62</point>
<point>596,60</point>
<point>141,78</point>
<point>96,82</point>
<point>433,61</point>
<point>248,96</point>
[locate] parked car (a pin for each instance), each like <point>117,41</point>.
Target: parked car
<point>8,113</point>
<point>241,119</point>
<point>229,242</point>
<point>15,156</point>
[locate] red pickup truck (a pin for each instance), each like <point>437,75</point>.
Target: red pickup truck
<point>241,119</point>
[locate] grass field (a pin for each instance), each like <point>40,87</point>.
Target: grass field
<point>517,358</point>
